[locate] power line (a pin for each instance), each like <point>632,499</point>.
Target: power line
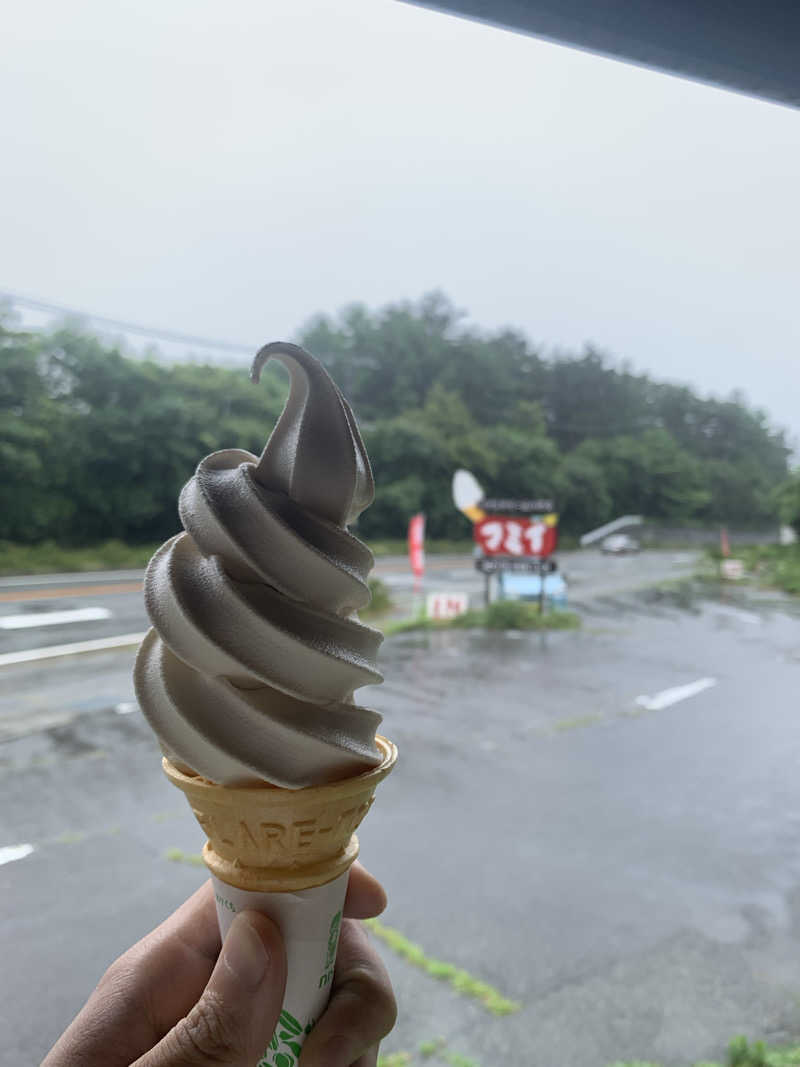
<point>128,327</point>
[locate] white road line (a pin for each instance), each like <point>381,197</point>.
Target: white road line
<point>667,697</point>
<point>126,708</point>
<point>33,654</point>
<point>9,853</point>
<point>33,619</point>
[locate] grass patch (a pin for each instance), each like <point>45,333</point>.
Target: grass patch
<point>578,723</point>
<point>777,566</point>
<point>431,1048</point>
<point>501,615</point>
<point>522,615</point>
<point>70,837</point>
<point>177,855</point>
<point>459,979</point>
<point>51,558</point>
<point>381,601</point>
<point>740,1054</point>
<point>429,1051</point>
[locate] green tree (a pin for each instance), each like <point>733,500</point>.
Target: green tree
<point>787,501</point>
<point>95,445</point>
<point>30,507</point>
<point>585,501</point>
<point>649,474</point>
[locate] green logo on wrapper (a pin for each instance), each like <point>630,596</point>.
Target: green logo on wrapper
<point>284,1048</point>
<point>333,940</point>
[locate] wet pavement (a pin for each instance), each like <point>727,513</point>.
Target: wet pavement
<point>601,824</point>
<point>40,611</point>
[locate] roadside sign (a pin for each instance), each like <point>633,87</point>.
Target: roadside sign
<point>442,606</point>
<point>518,565</point>
<point>530,506</point>
<point>467,495</point>
<point>732,569</point>
<point>503,535</point>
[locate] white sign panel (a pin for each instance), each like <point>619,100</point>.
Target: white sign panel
<point>733,569</point>
<point>447,605</point>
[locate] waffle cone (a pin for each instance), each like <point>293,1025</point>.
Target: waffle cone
<point>268,839</point>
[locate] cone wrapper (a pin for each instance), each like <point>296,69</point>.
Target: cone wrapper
<point>309,920</point>
<point>287,853</point>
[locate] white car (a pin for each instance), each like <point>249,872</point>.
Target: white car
<point>619,545</point>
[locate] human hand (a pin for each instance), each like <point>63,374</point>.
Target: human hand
<point>175,1000</point>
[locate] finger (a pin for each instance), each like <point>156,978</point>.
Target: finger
<point>234,1019</point>
<point>369,1059</point>
<point>194,923</point>
<point>146,990</point>
<point>362,1008</point>
<point>174,963</point>
<point>365,894</point>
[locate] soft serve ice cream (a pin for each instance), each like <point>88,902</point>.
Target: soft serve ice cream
<point>248,673</point>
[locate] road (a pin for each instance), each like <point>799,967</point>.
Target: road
<point>32,609</point>
<point>51,690</point>
<point>601,824</point>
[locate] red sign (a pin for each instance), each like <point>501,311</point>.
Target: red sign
<point>500,535</point>
<point>416,544</point>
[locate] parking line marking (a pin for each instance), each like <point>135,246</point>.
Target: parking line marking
<point>31,655</point>
<point>667,697</point>
<point>33,619</point>
<point>9,853</point>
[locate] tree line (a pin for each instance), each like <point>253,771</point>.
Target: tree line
<point>96,445</point>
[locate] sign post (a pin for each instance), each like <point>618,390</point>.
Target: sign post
<point>516,535</point>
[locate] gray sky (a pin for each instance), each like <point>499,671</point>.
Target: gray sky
<point>229,169</point>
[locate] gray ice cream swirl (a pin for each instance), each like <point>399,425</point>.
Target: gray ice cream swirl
<point>249,670</point>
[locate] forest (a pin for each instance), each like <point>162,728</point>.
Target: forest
<point>95,444</point>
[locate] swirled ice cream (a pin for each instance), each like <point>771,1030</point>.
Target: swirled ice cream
<point>256,649</point>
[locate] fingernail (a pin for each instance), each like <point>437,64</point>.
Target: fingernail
<point>245,953</point>
<point>338,1052</point>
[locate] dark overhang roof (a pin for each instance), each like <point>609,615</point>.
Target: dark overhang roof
<point>752,46</point>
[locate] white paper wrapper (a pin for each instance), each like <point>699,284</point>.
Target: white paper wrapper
<point>310,921</point>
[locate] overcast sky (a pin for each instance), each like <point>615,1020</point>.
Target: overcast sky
<point>230,169</point>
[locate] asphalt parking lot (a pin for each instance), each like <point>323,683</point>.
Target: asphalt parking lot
<point>601,825</point>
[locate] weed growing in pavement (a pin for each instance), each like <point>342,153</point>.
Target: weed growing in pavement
<point>177,855</point>
<point>740,1054</point>
<point>459,979</point>
<point>578,723</point>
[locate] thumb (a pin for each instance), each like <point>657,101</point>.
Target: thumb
<point>234,1019</point>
